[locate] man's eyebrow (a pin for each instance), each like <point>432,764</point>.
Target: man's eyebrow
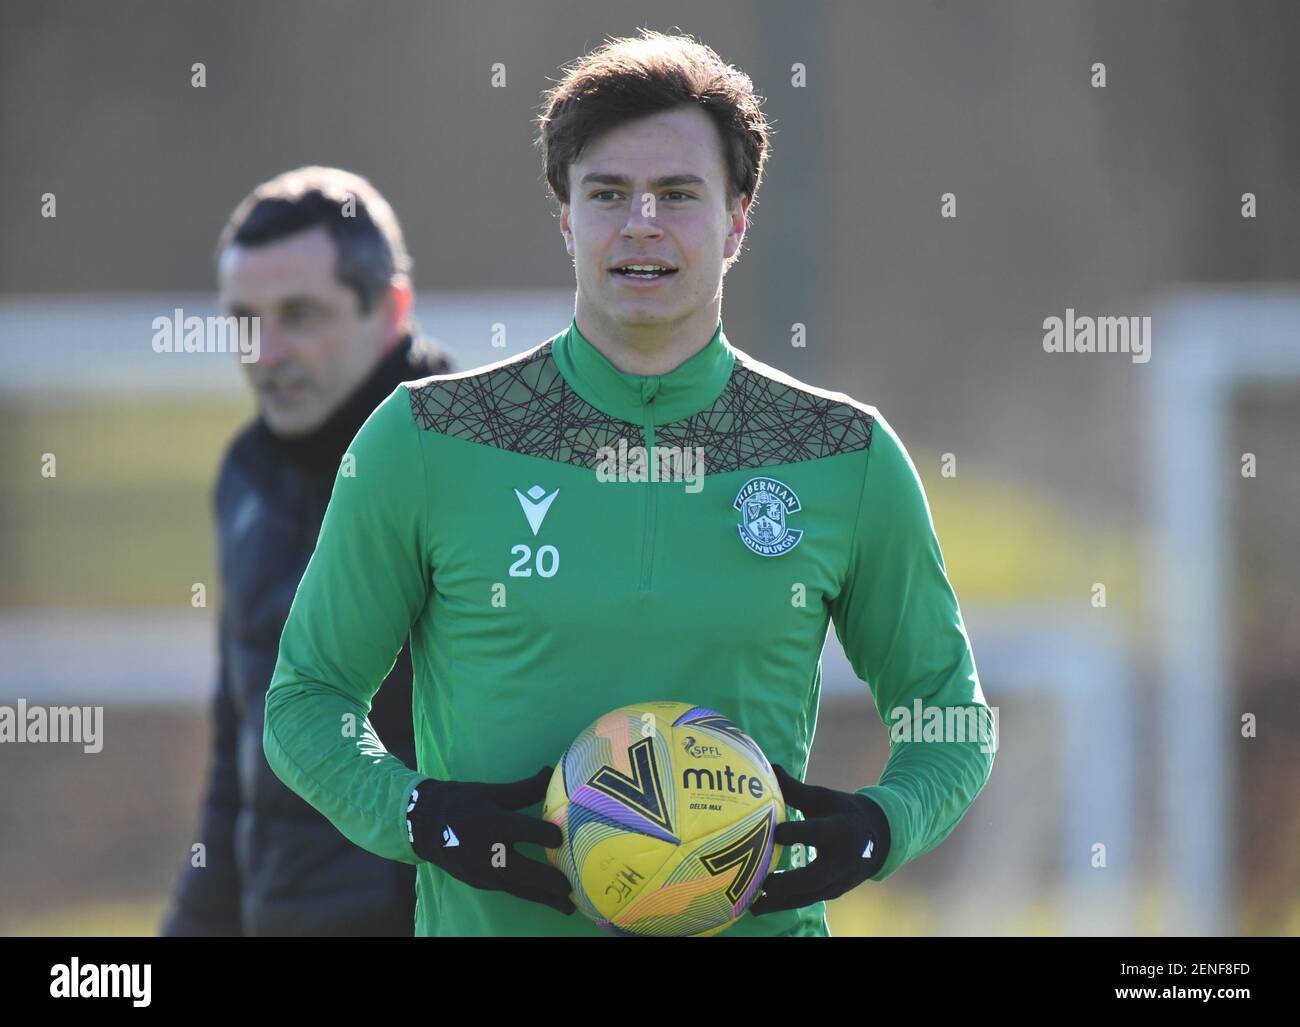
<point>604,178</point>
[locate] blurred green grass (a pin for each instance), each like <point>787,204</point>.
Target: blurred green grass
<point>870,913</point>
<point>128,514</point>
<point>123,918</point>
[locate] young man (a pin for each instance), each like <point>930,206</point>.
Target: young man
<point>318,256</point>
<point>539,594</point>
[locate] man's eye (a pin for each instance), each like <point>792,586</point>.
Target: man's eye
<point>296,315</point>
<point>603,194</point>
<point>678,192</point>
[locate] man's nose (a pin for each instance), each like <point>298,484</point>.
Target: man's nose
<point>275,343</point>
<point>640,218</point>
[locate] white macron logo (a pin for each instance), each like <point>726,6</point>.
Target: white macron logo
<point>535,505</point>
<point>449,837</point>
<point>866,853</point>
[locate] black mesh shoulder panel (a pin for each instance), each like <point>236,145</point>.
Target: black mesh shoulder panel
<point>522,404</point>
<point>763,417</point>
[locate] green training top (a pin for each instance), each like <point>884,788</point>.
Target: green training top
<point>474,513</point>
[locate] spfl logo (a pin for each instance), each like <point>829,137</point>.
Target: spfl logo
<point>693,748</point>
<point>764,504</point>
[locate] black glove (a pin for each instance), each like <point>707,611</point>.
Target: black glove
<point>850,833</point>
<point>456,824</point>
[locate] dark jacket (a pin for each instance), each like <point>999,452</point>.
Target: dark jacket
<point>274,866</point>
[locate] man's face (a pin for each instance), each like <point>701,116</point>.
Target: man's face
<point>673,158</point>
<point>316,345</point>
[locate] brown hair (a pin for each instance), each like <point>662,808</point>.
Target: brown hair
<point>371,253</point>
<point>629,78</point>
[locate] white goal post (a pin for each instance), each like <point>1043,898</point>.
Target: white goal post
<point>1208,343</point>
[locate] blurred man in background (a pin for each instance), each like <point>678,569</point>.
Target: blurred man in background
<point>317,254</point>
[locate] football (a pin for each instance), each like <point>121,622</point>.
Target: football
<point>668,813</point>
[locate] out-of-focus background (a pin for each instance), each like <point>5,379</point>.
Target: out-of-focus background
<point>1155,716</point>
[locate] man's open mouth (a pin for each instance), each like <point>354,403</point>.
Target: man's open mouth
<point>647,272</point>
<point>282,392</point>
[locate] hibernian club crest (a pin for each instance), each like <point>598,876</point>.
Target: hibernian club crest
<point>764,504</point>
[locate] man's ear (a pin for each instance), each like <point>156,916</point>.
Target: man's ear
<point>738,213</point>
<point>565,229</point>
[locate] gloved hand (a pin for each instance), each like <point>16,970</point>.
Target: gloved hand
<point>456,824</point>
<point>851,835</point>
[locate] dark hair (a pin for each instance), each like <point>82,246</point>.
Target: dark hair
<point>629,78</point>
<point>371,253</point>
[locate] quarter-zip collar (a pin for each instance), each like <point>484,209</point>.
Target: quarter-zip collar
<point>644,399</point>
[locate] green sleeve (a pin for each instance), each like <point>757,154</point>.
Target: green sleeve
<point>366,583</point>
<point>902,630</point>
